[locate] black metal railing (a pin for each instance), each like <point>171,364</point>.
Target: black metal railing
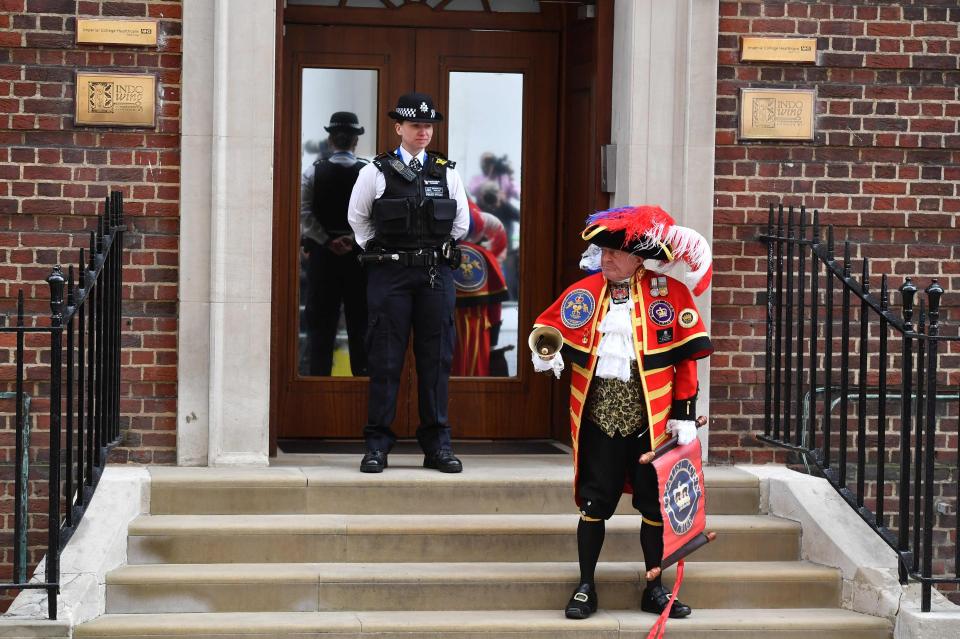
<point>82,337</point>
<point>812,393</point>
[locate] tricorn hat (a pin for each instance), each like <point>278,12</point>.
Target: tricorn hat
<point>344,121</point>
<point>415,107</point>
<point>649,232</point>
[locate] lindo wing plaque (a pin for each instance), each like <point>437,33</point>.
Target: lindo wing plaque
<point>777,114</point>
<point>116,99</point>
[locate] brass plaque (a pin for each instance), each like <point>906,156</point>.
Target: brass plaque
<point>777,114</point>
<point>757,49</point>
<point>116,99</point>
<point>105,31</point>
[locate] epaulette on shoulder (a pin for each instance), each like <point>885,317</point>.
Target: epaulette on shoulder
<point>379,160</point>
<point>441,160</point>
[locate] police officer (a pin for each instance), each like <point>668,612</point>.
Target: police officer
<point>333,274</point>
<point>407,208</point>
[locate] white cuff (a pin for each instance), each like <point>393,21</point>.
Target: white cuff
<point>554,364</point>
<point>685,430</point>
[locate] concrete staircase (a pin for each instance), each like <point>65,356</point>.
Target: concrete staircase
<point>324,551</point>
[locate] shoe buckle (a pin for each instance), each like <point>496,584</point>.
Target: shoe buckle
<point>582,597</point>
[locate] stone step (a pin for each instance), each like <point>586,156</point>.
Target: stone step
<point>515,484</point>
<point>208,539</point>
<point>452,586</point>
<point>823,623</point>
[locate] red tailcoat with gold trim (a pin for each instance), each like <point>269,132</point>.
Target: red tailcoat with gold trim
<point>669,337</point>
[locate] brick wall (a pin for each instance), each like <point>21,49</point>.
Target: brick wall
<point>884,168</point>
<point>53,177</point>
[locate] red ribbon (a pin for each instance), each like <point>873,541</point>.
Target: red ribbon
<point>661,625</point>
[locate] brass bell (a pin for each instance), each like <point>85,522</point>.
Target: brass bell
<point>545,341</point>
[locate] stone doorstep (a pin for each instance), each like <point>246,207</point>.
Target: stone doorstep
<point>209,539</point>
<point>511,586</point>
<point>829,623</point>
<point>489,484</point>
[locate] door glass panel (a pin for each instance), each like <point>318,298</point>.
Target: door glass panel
<point>485,139</point>
<point>515,6</point>
<point>331,309</point>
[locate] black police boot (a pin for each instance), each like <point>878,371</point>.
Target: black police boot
<point>656,598</point>
<point>583,602</point>
<point>374,462</point>
<point>443,460</point>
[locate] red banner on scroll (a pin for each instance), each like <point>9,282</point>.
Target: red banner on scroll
<point>683,501</point>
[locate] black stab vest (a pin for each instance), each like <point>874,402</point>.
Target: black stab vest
<point>332,186</point>
<point>415,210</point>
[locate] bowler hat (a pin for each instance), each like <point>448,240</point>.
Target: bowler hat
<point>344,121</point>
<point>415,107</point>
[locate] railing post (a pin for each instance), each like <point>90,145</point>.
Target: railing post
<point>862,390</point>
<point>882,402</point>
<point>68,492</point>
<point>828,354</point>
<point>117,253</point>
<point>778,347</point>
<point>101,369</point>
<point>768,372</point>
<point>907,291</point>
<point>107,282</point>
<point>934,292</point>
<point>814,330</point>
<point>918,447</point>
<point>81,372</point>
<point>802,291</point>
<point>92,379</point>
<point>844,364</point>
<point>788,339</point>
<point>55,281</point>
<point>22,480</point>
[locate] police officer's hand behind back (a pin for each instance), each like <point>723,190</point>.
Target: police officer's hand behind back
<point>341,245</point>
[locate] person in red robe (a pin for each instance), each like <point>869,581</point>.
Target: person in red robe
<point>481,289</point>
<point>632,336</point>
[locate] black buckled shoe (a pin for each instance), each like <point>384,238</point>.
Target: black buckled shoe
<point>583,602</point>
<point>374,462</point>
<point>656,598</point>
<point>443,460</point>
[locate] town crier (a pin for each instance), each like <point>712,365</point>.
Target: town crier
<point>632,336</point>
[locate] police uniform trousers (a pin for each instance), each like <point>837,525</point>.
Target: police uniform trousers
<point>398,298</point>
<point>605,462</point>
<point>333,280</point>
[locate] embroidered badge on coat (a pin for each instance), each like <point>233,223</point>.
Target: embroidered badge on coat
<point>577,308</point>
<point>664,335</point>
<point>619,293</point>
<point>472,274</point>
<point>688,318</point>
<point>661,313</point>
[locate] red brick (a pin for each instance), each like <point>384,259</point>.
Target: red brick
<point>889,29</point>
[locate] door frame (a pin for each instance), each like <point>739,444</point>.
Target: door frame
<point>562,19</point>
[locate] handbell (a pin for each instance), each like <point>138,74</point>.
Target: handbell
<point>545,341</point>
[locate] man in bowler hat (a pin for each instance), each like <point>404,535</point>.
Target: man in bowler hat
<point>334,276</point>
<point>407,209</point>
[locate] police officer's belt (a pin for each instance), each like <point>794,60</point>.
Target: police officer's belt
<point>425,257</point>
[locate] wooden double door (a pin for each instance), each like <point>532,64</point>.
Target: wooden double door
<point>498,92</point>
